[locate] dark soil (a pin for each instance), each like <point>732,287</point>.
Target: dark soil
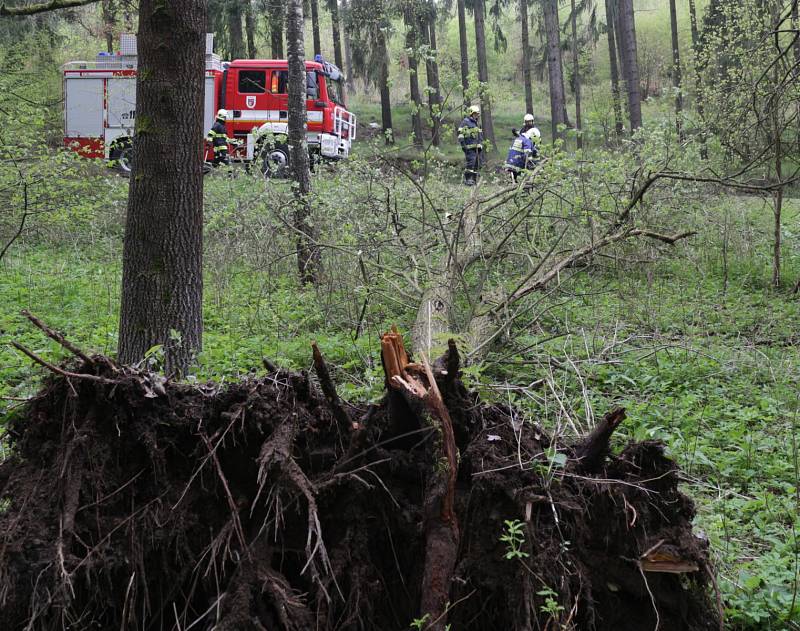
<point>137,504</point>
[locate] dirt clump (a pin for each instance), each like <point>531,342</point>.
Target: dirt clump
<point>131,502</point>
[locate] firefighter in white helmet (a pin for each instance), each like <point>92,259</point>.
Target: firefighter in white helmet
<point>218,138</point>
<point>470,137</point>
<point>527,123</point>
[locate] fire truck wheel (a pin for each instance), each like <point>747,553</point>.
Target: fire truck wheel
<point>121,157</point>
<point>276,161</point>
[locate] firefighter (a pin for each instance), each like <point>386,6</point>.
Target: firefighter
<point>219,139</point>
<point>519,155</point>
<point>470,137</point>
<point>527,123</point>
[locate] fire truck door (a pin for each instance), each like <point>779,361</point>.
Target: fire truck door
<point>252,100</point>
<point>83,108</point>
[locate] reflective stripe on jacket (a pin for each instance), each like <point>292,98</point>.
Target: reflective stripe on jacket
<point>470,136</point>
<point>218,136</point>
<point>519,152</point>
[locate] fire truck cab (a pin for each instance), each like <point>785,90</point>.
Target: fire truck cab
<point>255,94</point>
<point>100,107</point>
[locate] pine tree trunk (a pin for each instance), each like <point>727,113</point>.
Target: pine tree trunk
<point>386,103</point>
<point>628,33</point>
<point>526,56</point>
<point>462,43</point>
<point>348,59</point>
<point>413,77</point>
<point>276,15</point>
<point>428,29</point>
<point>315,26</point>
<point>235,29</point>
<point>250,30</point>
<point>162,264</point>
<point>612,56</point>
<point>333,6</point>
<point>483,73</point>
<point>554,70</point>
<point>109,21</point>
<point>576,77</point>
<point>676,70</point>
<point>308,257</point>
<point>698,79</point>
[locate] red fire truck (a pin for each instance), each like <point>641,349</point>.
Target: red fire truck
<point>100,107</point>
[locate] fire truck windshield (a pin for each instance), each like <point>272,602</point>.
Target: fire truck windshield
<point>335,91</point>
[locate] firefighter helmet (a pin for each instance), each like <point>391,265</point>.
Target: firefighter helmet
<point>528,118</point>
<point>222,114</point>
<point>473,109</point>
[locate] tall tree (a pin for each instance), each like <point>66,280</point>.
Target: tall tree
<point>483,70</point>
<point>308,258</point>
<point>555,71</point>
<point>412,46</point>
<point>427,28</point>
<point>250,29</point>
<point>315,26</point>
<point>275,14</point>
<point>463,49</point>
<point>349,75</point>
<point>676,69</point>
<point>333,7</point>
<point>698,79</point>
<point>627,26</point>
<point>612,55</point>
<point>237,50</point>
<point>369,24</point>
<point>576,75</point>
<point>526,56</point>
<point>109,11</point>
<point>162,270</point>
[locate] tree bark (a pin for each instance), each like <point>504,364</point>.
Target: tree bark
<point>576,77</point>
<point>676,70</point>
<point>462,44</point>
<point>612,56</point>
<point>413,76</point>
<point>526,56</point>
<point>483,73</point>
<point>628,33</point>
<point>554,70</point>
<point>109,21</point>
<point>698,79</point>
<point>250,29</point>
<point>235,29</point>
<point>308,257</point>
<point>276,14</point>
<point>162,271</point>
<point>315,26</point>
<point>386,101</point>
<point>333,6</point>
<point>348,59</point>
<point>428,29</point>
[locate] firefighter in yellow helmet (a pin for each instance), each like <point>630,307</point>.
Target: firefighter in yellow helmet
<point>470,137</point>
<point>218,138</point>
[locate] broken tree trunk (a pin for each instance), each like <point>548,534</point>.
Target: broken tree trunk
<point>418,385</point>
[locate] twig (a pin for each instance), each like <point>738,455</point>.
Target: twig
<point>55,335</point>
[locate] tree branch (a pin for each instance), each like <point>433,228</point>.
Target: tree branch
<point>32,9</point>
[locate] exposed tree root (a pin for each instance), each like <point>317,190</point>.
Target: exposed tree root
<point>133,503</point>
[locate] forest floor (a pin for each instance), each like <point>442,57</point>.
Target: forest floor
<point>703,357</point>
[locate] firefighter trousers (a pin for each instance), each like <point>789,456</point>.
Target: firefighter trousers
<point>472,164</point>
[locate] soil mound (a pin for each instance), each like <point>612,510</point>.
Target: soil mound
<point>131,502</point>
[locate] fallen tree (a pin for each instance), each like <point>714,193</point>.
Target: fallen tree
<point>131,502</point>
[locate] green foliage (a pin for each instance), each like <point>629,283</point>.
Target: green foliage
<point>514,538</point>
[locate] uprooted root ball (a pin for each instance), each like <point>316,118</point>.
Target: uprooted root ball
<point>130,503</point>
